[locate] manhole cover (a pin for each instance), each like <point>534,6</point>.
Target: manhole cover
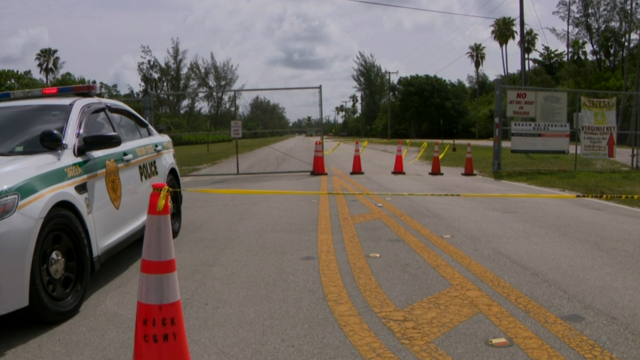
<point>307,258</point>
<point>572,318</point>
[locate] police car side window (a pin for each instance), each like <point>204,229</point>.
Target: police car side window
<point>97,123</point>
<point>127,127</point>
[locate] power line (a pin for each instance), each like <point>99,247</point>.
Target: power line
<point>456,60</point>
<point>539,23</point>
<point>448,41</point>
<point>459,37</point>
<point>420,9</point>
<point>435,32</point>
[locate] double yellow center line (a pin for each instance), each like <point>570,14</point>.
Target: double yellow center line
<point>419,325</point>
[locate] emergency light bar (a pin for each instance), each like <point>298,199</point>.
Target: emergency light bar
<point>87,89</point>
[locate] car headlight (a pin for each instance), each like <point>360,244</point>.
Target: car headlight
<point>8,205</point>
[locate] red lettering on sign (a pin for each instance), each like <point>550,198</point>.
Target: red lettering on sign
<point>521,95</point>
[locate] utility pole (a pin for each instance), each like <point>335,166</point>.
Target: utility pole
<point>522,68</point>
<point>389,103</point>
<point>568,36</point>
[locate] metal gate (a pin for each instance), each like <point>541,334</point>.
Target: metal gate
<point>279,129</point>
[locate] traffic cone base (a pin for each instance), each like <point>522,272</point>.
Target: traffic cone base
<point>318,161</point>
<point>468,166</point>
<point>398,168</point>
<point>357,163</point>
<point>160,331</point>
<point>435,165</point>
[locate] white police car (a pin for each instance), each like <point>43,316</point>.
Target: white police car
<point>75,178</point>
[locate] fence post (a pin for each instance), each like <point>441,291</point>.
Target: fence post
<point>321,119</point>
<point>497,131</point>
<point>147,108</point>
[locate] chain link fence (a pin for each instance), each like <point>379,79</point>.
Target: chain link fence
<point>617,134</point>
<point>279,128</point>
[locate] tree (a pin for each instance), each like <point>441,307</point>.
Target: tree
<point>477,56</point>
<point>424,100</point>
<point>217,79</point>
<point>371,82</point>
<point>262,114</point>
<point>49,63</point>
<point>530,41</point>
<point>11,80</point>
<point>502,31</point>
<point>551,60</point>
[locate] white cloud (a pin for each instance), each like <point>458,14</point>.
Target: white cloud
<point>19,49</point>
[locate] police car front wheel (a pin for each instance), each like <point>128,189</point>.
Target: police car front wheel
<point>60,268</point>
<point>176,205</point>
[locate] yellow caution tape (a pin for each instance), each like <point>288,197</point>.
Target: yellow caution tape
<point>327,153</point>
<point>293,192</point>
<point>406,149</point>
<point>364,146</point>
<point>163,198</point>
<point>444,152</point>
<point>423,148</point>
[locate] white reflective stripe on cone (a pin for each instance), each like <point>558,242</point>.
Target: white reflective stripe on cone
<point>158,289</point>
<point>158,238</point>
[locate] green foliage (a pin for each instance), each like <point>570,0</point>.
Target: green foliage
<point>265,115</point>
<point>49,63</point>
<point>425,102</point>
<point>11,80</point>
<point>372,84</point>
<point>195,139</point>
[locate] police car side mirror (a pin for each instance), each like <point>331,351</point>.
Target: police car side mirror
<point>99,142</point>
<point>51,139</point>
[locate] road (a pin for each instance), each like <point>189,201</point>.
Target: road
<point>293,277</point>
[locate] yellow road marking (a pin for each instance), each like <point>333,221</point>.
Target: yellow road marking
<point>567,333</point>
<point>356,329</point>
<point>403,324</point>
<point>365,217</point>
<point>464,299</point>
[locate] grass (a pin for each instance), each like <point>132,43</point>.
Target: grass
<point>191,158</point>
<point>594,176</point>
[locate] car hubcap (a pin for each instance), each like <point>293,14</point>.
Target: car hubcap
<point>56,265</point>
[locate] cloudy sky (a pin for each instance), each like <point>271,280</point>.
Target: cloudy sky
<point>276,43</point>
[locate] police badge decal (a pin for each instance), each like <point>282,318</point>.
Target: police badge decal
<point>112,180</point>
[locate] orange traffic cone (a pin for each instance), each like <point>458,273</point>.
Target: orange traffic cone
<point>468,166</point>
<point>318,161</point>
<point>357,164</point>
<point>398,168</point>
<point>160,331</point>
<point>454,146</point>
<point>435,165</point>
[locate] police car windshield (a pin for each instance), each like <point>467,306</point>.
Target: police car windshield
<point>21,125</point>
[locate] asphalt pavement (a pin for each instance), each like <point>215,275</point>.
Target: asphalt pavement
<point>391,276</point>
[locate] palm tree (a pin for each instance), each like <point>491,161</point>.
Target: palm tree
<point>530,42</point>
<point>48,62</point>
<point>503,30</point>
<point>477,56</point>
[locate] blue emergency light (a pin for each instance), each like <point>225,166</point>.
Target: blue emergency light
<point>87,89</point>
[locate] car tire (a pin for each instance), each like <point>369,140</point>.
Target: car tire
<point>60,268</point>
<point>176,205</point>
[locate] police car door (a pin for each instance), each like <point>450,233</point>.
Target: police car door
<point>110,181</point>
<point>138,142</point>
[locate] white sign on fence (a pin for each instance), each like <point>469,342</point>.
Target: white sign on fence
<point>236,129</point>
<point>521,103</point>
<point>551,107</point>
<point>529,137</point>
<point>598,128</point>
